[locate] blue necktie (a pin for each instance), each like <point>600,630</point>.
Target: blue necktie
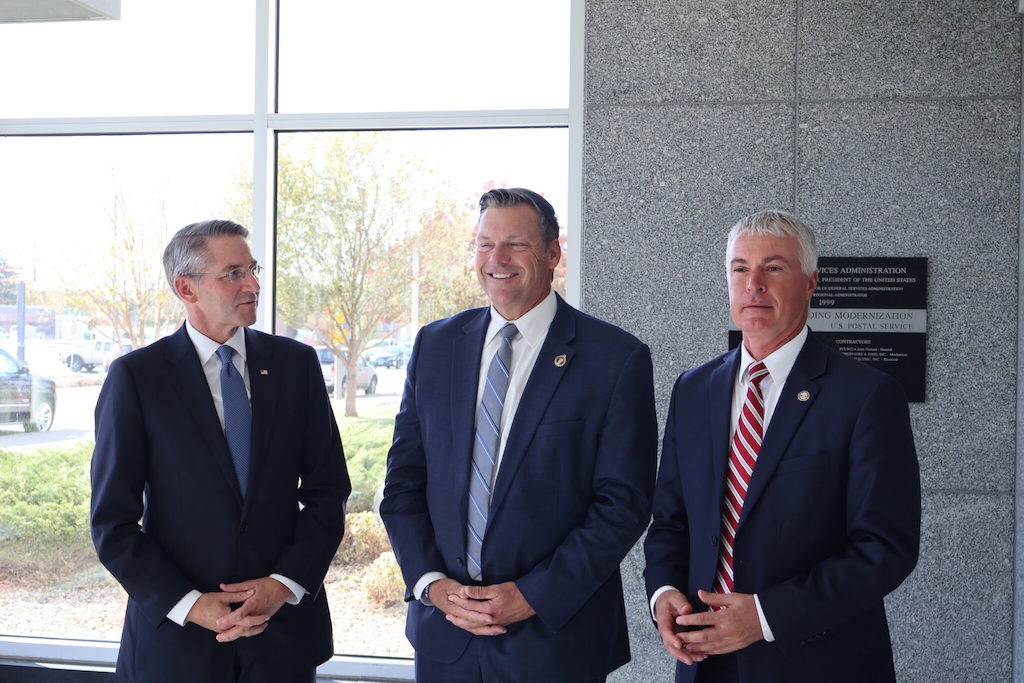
<point>485,447</point>
<point>237,415</point>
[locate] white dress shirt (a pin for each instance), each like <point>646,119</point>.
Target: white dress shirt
<point>533,330</point>
<point>779,363</point>
<point>206,349</point>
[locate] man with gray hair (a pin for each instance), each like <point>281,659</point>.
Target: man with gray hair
<point>788,498</point>
<point>222,441</point>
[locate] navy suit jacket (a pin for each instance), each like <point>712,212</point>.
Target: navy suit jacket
<point>830,523</point>
<point>571,497</point>
<point>161,457</point>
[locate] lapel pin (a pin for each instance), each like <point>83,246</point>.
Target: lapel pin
<point>559,360</point>
<point>803,395</point>
<point>264,372</point>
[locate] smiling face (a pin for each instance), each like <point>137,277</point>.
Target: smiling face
<point>513,262</point>
<point>768,292</point>
<point>215,306</point>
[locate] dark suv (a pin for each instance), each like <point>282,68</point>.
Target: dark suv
<point>26,399</point>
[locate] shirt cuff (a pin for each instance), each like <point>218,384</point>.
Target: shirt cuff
<point>179,612</point>
<point>766,631</point>
<point>297,590</point>
<point>657,594</point>
<point>426,580</point>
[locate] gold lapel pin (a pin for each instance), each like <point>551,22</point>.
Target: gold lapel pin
<point>803,395</point>
<point>559,360</point>
<point>264,372</point>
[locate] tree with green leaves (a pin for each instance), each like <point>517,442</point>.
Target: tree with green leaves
<point>345,205</point>
<point>443,250</point>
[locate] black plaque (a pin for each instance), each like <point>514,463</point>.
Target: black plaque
<point>874,310</point>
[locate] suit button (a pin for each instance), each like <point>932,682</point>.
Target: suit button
<point>460,562</point>
<point>714,541</point>
<point>245,528</point>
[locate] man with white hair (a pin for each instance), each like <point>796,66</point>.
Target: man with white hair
<point>788,498</point>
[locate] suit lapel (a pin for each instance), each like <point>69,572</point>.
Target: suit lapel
<point>465,374</point>
<point>789,413</point>
<point>187,379</point>
<point>722,383</point>
<point>540,387</point>
<point>264,383</point>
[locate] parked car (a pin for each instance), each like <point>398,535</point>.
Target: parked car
<point>366,376</point>
<point>25,399</point>
<point>389,356</point>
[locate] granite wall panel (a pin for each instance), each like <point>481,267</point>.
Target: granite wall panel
<point>952,620</point>
<point>715,50</point>
<point>663,187</point>
<point>935,179</point>
<point>894,129</point>
<point>910,48</point>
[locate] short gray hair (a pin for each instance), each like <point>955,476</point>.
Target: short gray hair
<point>779,224</point>
<point>513,196</point>
<point>185,254</point>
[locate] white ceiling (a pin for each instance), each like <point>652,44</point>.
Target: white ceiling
<point>58,10</point>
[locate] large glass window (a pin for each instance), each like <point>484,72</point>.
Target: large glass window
<point>88,201</point>
<point>85,220</point>
<point>160,58</point>
<point>409,55</point>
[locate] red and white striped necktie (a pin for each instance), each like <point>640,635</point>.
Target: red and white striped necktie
<point>746,443</point>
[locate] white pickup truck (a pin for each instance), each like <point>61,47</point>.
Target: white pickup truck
<point>89,354</point>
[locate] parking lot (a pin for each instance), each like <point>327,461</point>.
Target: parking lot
<point>77,393</point>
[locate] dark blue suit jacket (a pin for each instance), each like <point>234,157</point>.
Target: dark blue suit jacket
<point>161,456</point>
<point>571,498</point>
<point>831,520</point>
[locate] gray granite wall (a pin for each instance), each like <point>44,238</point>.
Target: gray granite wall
<point>893,128</point>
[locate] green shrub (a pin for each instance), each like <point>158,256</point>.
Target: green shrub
<point>383,583</point>
<point>366,441</point>
<point>44,494</point>
<point>365,539</point>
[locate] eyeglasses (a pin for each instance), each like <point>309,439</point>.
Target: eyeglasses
<point>235,275</point>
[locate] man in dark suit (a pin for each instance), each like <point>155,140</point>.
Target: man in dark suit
<point>521,471</point>
<point>221,440</point>
<point>788,499</point>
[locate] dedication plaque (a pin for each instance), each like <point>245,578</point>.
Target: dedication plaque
<point>874,310</point>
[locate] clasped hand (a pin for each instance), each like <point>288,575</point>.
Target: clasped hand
<point>260,599</point>
<point>733,627</point>
<point>481,610</point>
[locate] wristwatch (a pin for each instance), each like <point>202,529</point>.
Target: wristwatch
<point>425,595</point>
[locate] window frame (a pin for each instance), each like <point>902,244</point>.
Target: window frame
<point>264,124</point>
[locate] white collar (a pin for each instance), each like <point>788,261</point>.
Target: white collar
<point>780,361</point>
<point>206,347</point>
<point>532,325</point>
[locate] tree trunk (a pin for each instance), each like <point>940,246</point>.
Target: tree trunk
<point>352,376</point>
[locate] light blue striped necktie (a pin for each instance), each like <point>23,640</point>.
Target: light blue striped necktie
<point>237,415</point>
<point>485,447</point>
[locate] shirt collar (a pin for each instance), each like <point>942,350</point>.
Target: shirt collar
<point>206,347</point>
<point>779,362</point>
<point>532,325</point>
